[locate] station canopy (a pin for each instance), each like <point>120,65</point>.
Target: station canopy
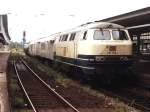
<point>137,22</point>
<point>4,35</point>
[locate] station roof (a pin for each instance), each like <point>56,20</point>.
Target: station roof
<point>5,23</point>
<point>136,21</point>
<point>4,34</point>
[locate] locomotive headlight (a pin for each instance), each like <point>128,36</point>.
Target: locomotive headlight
<point>100,58</point>
<point>124,58</point>
<point>91,60</point>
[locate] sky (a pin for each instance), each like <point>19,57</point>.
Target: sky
<point>41,18</point>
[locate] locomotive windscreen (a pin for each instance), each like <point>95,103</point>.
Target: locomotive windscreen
<point>119,35</point>
<point>102,35</point>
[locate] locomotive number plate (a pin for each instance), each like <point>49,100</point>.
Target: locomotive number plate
<point>112,50</point>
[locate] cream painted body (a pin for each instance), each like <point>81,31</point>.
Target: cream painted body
<point>71,49</point>
<point>32,49</point>
<point>42,48</point>
<point>102,47</point>
<point>45,50</point>
<point>68,48</point>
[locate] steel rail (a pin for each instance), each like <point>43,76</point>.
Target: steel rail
<point>53,90</point>
<point>24,88</point>
<point>131,102</point>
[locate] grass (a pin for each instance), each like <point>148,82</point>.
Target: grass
<point>59,77</point>
<point>91,91</point>
<point>64,81</point>
<point>19,102</point>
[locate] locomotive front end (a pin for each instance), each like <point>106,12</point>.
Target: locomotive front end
<point>106,48</point>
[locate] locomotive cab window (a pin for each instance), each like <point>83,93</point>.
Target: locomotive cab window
<point>102,35</point>
<point>119,35</point>
<point>84,35</point>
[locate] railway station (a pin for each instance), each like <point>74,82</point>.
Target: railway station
<point>21,69</point>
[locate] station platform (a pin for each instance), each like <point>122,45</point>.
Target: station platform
<point>4,100</point>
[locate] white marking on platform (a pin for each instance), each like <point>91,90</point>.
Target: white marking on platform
<point>142,60</point>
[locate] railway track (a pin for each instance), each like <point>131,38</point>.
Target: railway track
<point>133,96</point>
<point>39,94</point>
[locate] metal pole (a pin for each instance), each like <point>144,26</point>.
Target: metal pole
<point>138,44</point>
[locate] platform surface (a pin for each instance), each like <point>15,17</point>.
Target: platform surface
<point>4,101</point>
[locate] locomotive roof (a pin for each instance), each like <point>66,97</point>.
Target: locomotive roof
<point>103,25</point>
<point>43,39</point>
<point>86,26</point>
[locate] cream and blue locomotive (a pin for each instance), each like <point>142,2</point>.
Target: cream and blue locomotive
<point>90,47</point>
